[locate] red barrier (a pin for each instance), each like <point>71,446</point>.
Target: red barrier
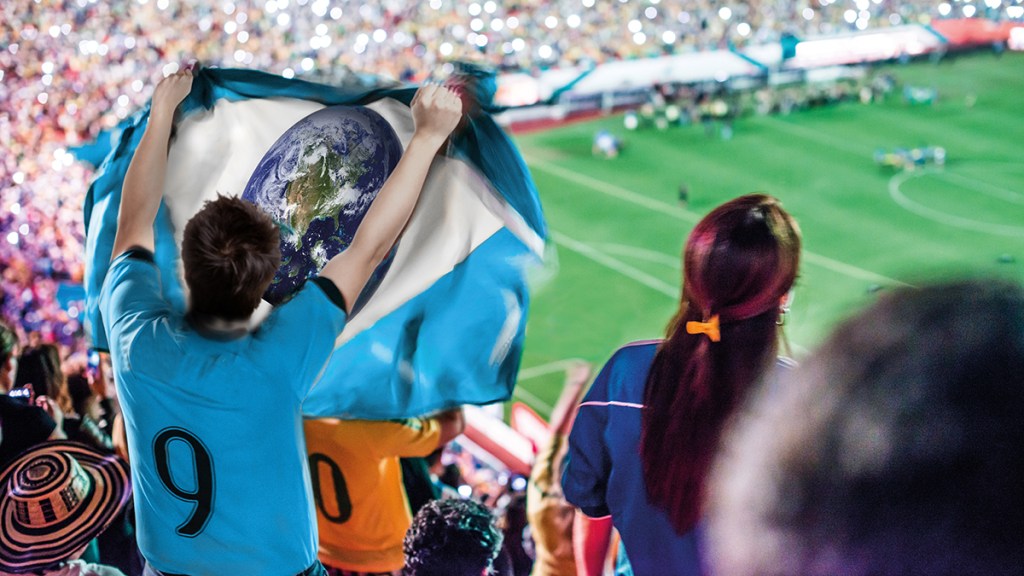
<point>970,32</point>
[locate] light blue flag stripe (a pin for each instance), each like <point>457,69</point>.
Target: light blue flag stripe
<point>428,354</point>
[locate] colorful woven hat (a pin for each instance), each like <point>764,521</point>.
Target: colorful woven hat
<point>54,499</point>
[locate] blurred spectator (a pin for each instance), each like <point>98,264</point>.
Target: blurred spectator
<point>85,423</point>
<point>551,517</point>
<point>362,512</point>
<point>417,480</point>
<point>40,367</point>
<point>56,499</point>
<point>896,449</point>
<point>452,538</point>
<point>10,350</point>
<point>23,424</point>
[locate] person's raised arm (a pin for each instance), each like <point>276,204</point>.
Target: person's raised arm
<point>436,111</point>
<point>562,416</point>
<point>452,422</point>
<point>144,182</point>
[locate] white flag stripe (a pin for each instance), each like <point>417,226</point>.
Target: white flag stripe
<point>424,254</point>
<point>216,151</point>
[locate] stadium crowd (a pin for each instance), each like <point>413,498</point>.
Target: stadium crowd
<point>72,68</point>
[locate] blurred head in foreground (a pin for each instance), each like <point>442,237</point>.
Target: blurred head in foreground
<point>897,449</point>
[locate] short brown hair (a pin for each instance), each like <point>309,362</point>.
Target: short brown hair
<point>231,251</point>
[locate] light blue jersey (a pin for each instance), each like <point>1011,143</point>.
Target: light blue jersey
<point>215,426</point>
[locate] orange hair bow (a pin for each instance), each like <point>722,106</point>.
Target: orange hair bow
<point>710,328</point>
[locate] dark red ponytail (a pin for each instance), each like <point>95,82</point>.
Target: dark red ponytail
<point>738,263</point>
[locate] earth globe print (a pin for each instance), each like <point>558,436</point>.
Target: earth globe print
<point>317,181</point>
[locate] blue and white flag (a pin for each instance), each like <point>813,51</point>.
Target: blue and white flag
<point>443,326</point>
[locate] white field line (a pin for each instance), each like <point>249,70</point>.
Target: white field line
<point>615,264</point>
<point>535,372</point>
<point>665,208</point>
<point>983,187</point>
<point>549,368</point>
<point>942,217</point>
<point>542,407</point>
<point>673,262</point>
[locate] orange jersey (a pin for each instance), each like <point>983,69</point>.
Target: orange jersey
<point>362,511</point>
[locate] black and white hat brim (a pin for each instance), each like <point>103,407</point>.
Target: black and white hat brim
<point>26,549</point>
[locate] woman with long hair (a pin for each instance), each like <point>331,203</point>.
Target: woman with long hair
<point>40,366</point>
<point>648,429</point>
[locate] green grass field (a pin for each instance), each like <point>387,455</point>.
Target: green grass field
<point>617,229</point>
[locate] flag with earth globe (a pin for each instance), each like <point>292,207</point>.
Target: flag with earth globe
<point>441,323</point>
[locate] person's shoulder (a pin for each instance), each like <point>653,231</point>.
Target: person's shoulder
<point>635,354</point>
<point>133,257</point>
<point>625,373</point>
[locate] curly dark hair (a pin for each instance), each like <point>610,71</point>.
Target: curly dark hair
<point>451,538</point>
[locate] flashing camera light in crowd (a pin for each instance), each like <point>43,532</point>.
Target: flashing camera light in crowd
<point>519,483</point>
<point>725,13</point>
<point>1015,12</point>
<point>993,4</point>
<point>945,9</point>
<point>808,14</point>
<point>466,491</point>
<point>743,29</point>
<point>969,10</point>
<point>12,238</point>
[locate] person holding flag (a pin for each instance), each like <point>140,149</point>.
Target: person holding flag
<point>212,404</point>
